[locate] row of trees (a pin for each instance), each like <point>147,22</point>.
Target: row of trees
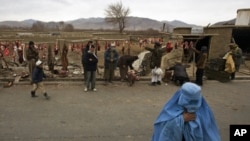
<point>116,14</point>
<point>55,26</point>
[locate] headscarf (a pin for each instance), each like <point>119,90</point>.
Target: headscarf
<point>190,97</point>
<point>170,125</point>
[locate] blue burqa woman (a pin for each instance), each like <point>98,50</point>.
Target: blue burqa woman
<point>171,124</point>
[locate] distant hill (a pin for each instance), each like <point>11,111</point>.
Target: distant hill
<point>24,24</point>
<point>133,23</point>
<point>229,22</point>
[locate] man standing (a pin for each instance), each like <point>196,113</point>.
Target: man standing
<point>200,64</point>
<point>155,63</point>
<point>84,53</point>
<point>64,58</point>
<point>32,56</point>
<point>91,61</point>
<point>110,61</point>
<point>236,53</point>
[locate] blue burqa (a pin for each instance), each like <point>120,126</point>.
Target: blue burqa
<point>170,125</point>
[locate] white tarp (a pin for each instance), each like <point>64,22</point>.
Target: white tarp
<point>168,60</point>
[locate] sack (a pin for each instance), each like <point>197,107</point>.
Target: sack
<point>157,71</point>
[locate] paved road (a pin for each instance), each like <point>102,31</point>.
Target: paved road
<point>114,113</point>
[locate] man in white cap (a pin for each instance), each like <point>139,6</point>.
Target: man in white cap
<point>111,57</point>
<point>37,79</point>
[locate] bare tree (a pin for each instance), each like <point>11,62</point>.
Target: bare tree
<point>38,26</point>
<point>116,13</point>
<point>68,28</point>
<point>61,25</point>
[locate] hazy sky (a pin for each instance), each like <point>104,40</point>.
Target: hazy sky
<point>199,12</point>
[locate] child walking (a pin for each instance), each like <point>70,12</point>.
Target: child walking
<point>37,79</point>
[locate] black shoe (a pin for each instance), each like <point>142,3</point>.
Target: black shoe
<point>46,96</point>
<point>159,82</point>
<point>153,84</point>
<point>33,94</point>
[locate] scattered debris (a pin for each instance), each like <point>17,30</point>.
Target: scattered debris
<point>17,79</point>
<point>9,84</point>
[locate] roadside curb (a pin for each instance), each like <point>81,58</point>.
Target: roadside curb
<point>80,81</point>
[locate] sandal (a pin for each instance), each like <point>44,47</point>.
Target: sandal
<point>9,84</point>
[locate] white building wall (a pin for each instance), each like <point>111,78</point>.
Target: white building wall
<point>243,17</point>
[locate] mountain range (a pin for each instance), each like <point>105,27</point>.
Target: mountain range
<point>133,23</point>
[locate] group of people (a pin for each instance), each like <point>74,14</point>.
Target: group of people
<point>13,51</point>
<point>186,116</point>
<point>35,66</point>
<point>233,60</point>
<point>111,61</point>
<point>179,70</point>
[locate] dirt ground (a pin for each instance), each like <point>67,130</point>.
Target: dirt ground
<point>115,112</point>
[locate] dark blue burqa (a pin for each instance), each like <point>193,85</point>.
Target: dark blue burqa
<point>170,125</point>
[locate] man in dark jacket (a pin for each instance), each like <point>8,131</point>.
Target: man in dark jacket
<point>37,79</point>
<point>180,75</point>
<point>156,56</point>
<point>124,63</point>
<point>32,56</point>
<point>200,63</point>
<point>91,61</point>
<point>155,63</point>
<point>84,53</point>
